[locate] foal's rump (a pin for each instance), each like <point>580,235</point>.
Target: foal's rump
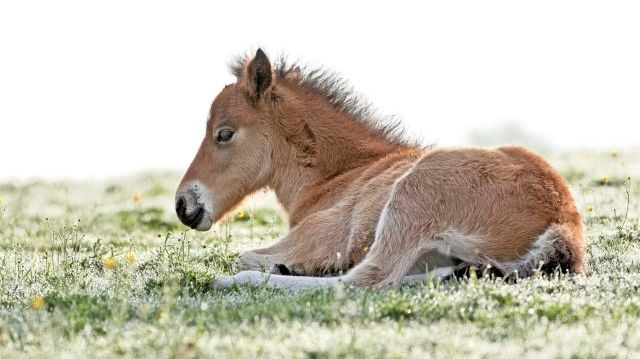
<point>505,207</point>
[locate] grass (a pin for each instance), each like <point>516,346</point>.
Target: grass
<point>103,269</point>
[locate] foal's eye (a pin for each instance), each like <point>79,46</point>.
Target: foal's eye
<point>225,135</point>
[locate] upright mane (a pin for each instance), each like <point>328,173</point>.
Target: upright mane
<point>341,95</point>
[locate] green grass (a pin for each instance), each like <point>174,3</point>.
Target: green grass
<point>58,296</point>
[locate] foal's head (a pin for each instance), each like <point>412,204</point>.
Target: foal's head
<point>285,128</point>
<point>234,157</point>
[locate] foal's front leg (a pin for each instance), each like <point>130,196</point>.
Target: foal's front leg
<point>315,246</point>
<point>262,259</point>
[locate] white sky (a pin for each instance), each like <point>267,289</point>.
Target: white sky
<point>92,89</point>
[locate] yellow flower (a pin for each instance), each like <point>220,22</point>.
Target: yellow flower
<point>605,179</point>
<point>110,262</point>
<point>240,214</point>
<point>589,208</point>
<point>1,200</point>
<point>131,257</point>
<point>37,302</point>
<point>137,198</point>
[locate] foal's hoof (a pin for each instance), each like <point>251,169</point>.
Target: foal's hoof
<point>280,269</point>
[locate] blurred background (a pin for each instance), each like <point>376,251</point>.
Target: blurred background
<point>97,89</point>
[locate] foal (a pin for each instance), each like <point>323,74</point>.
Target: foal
<point>363,201</point>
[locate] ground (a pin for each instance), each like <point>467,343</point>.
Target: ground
<point>104,269</point>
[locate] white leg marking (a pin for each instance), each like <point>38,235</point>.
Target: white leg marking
<point>297,283</point>
<point>293,283</point>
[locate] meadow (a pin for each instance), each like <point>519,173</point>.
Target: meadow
<point>104,269</point>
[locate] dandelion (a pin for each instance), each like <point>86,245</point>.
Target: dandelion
<point>130,256</point>
<point>37,302</point>
<point>241,214</point>
<point>110,262</point>
<point>589,208</point>
<point>605,179</point>
<point>137,198</point>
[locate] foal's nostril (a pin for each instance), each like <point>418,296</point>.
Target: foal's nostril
<point>181,209</point>
<point>196,218</point>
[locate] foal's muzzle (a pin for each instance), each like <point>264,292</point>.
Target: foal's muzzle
<point>191,219</point>
<point>193,206</point>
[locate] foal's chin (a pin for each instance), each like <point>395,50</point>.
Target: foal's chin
<point>205,225</point>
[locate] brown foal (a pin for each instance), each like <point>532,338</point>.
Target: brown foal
<point>362,202</point>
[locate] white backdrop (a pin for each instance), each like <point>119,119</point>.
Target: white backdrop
<point>90,89</point>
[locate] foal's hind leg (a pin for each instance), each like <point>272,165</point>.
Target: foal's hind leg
<point>388,262</point>
<point>403,235</point>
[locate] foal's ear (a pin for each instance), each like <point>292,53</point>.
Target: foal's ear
<point>259,75</point>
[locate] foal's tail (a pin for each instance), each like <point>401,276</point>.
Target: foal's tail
<point>560,246</point>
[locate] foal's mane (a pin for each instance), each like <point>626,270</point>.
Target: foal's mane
<point>341,95</point>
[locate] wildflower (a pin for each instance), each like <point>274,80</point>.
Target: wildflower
<point>605,179</point>
<point>137,198</point>
<point>130,256</point>
<point>1,200</point>
<point>37,302</point>
<point>589,208</point>
<point>110,262</point>
<point>241,214</point>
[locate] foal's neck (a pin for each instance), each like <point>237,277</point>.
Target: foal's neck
<point>322,144</point>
